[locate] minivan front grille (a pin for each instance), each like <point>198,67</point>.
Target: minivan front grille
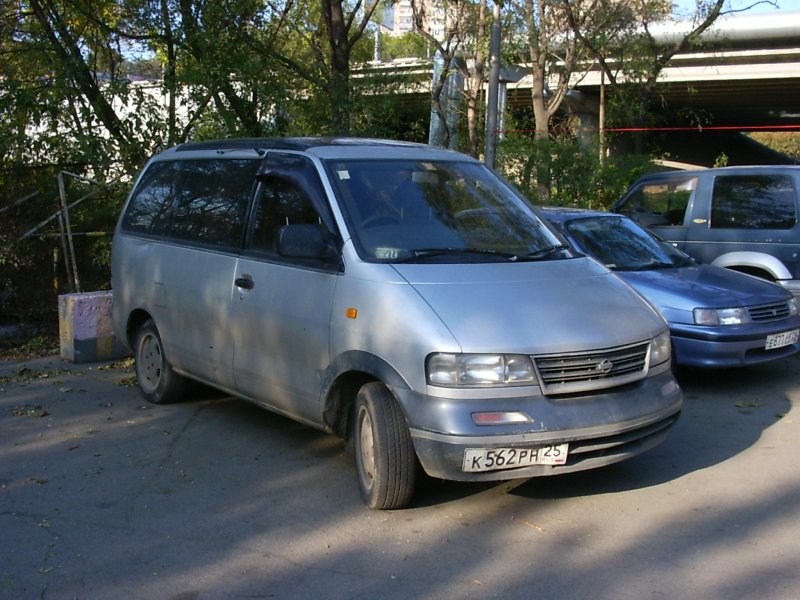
<point>585,371</point>
<point>769,312</point>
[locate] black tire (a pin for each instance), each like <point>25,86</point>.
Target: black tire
<point>158,383</point>
<point>385,459</point>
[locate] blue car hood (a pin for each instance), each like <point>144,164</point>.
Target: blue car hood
<point>534,308</point>
<point>683,289</point>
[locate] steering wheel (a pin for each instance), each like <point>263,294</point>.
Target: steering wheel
<point>382,219</point>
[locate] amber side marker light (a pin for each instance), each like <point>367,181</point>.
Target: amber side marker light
<point>351,313</point>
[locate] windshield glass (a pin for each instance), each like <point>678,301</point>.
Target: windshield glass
<point>621,244</point>
<point>421,211</point>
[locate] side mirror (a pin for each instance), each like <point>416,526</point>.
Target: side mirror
<point>305,241</point>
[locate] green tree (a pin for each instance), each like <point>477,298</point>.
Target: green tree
<point>569,173</point>
<point>634,61</point>
<point>61,86</point>
<point>461,47</point>
<point>408,45</point>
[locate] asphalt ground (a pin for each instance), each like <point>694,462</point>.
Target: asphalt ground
<point>103,496</point>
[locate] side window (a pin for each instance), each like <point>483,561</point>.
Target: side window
<point>151,204</point>
<point>212,206</point>
<point>281,202</point>
<point>661,202</point>
<point>754,202</point>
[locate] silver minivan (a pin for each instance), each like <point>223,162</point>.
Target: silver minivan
<point>400,296</point>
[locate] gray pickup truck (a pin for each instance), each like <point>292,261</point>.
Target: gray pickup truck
<point>742,218</point>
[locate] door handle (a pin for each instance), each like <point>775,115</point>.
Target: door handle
<point>245,282</point>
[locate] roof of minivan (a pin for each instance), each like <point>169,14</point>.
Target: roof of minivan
<point>324,147</point>
<point>292,143</point>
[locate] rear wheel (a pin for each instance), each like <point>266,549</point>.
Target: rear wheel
<point>385,459</point>
<point>157,381</point>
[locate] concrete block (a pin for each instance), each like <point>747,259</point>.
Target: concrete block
<point>84,327</point>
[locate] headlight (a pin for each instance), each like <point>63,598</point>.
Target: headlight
<point>720,316</point>
<point>660,349</point>
<point>792,306</point>
<point>467,370</point>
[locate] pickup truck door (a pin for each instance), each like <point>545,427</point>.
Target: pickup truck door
<point>747,212</point>
<point>664,206</point>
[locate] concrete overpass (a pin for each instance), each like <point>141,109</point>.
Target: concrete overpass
<point>746,78</point>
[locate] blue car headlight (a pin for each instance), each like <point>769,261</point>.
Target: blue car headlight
<point>713,317</point>
<point>793,306</point>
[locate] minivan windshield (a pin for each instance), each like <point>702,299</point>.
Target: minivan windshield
<point>437,211</point>
<point>623,245</point>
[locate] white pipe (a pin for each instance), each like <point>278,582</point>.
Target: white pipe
<point>737,27</point>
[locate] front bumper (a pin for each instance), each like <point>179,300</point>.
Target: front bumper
<point>600,428</point>
<point>729,346</point>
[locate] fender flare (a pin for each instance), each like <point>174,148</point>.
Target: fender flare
<point>338,389</point>
<point>756,260</point>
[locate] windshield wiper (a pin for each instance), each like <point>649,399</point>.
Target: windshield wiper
<point>543,253</point>
<point>651,266</point>
<point>425,253</point>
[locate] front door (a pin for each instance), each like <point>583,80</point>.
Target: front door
<point>281,306</point>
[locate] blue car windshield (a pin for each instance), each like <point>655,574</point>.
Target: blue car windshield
<point>437,211</point>
<point>623,245</point>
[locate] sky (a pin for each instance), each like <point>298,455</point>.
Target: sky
<point>687,7</point>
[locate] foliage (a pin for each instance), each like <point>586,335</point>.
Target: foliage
<point>408,45</point>
<point>633,59</point>
<point>95,87</point>
<point>26,346</point>
<point>571,174</point>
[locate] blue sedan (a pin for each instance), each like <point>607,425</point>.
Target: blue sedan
<point>717,317</point>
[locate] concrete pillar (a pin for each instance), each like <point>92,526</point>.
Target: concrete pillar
<point>85,332</point>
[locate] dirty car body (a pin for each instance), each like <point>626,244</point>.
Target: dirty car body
<point>400,296</point>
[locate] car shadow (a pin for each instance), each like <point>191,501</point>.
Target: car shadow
<point>725,413</point>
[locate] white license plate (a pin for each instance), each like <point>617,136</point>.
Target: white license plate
<point>493,459</point>
<point>779,340</point>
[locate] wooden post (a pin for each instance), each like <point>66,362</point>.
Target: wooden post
<point>65,212</point>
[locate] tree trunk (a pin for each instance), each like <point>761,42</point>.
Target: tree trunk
<point>538,40</point>
<point>540,113</point>
<point>170,79</point>
<point>339,83</point>
<point>475,85</point>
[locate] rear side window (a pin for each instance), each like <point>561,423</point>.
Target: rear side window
<point>754,202</point>
<point>212,205</point>
<point>150,208</point>
<point>660,202</point>
<point>200,201</point>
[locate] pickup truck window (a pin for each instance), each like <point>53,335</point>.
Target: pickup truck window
<point>754,202</point>
<point>661,202</point>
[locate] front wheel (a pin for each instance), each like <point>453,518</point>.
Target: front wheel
<point>158,383</point>
<point>385,459</point>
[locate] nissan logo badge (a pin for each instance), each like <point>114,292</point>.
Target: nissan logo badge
<point>605,366</point>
